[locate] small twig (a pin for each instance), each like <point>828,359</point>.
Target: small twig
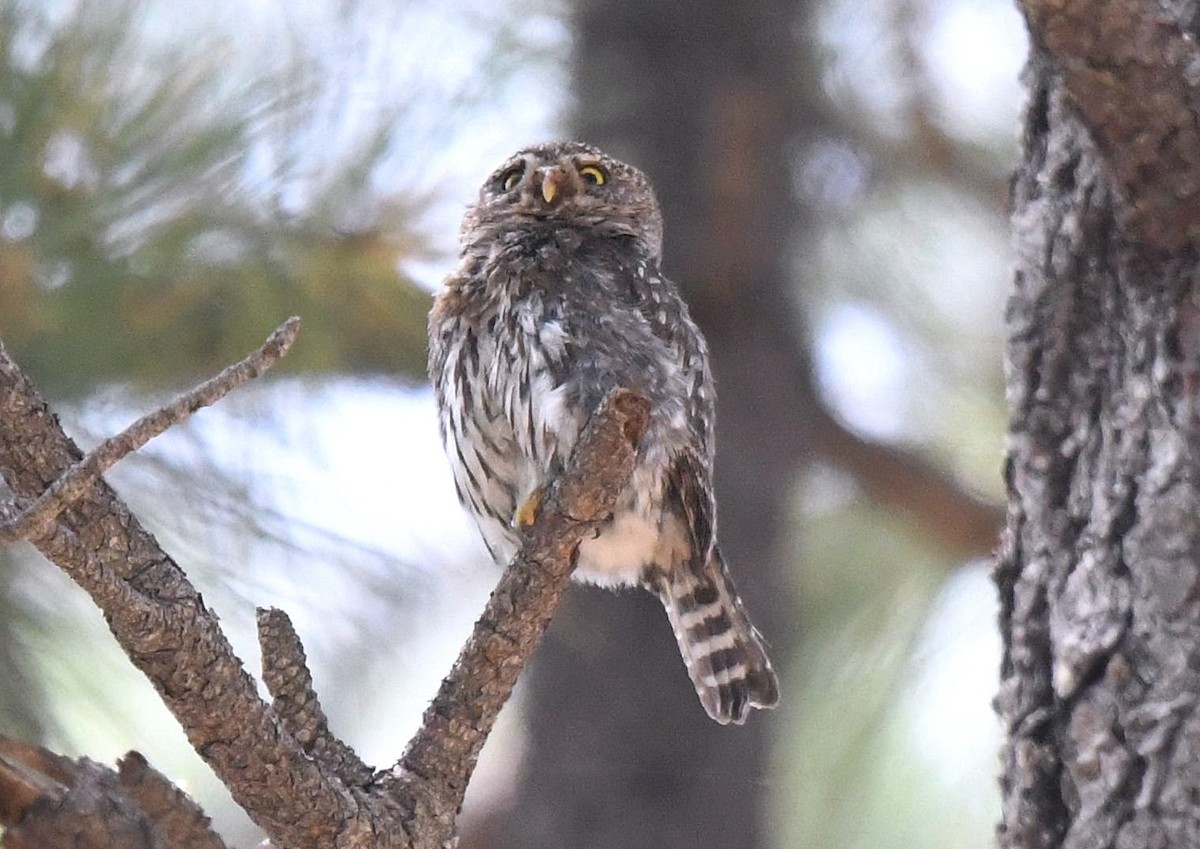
<point>37,516</point>
<point>285,672</point>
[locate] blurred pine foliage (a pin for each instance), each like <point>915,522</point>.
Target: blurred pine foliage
<point>144,235</point>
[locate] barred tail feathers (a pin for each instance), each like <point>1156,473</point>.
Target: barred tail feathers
<point>723,652</point>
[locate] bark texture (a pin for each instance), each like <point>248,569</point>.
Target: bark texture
<point>50,802</point>
<point>1132,72</point>
<point>1100,568</point>
<point>281,762</point>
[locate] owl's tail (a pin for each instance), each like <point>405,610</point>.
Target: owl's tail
<point>723,651</point>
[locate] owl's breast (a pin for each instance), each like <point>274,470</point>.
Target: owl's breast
<point>524,386</point>
<point>540,341</point>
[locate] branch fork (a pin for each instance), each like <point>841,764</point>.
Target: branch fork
<point>296,779</point>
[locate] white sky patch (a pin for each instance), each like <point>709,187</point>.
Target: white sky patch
<point>862,367</point>
<point>975,50</point>
<point>956,675</point>
<point>377,470</point>
<point>361,459</point>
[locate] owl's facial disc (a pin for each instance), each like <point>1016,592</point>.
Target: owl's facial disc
<point>567,184</point>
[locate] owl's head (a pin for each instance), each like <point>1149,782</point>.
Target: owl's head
<point>569,184</point>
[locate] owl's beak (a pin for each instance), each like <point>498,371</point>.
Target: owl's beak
<point>554,181</point>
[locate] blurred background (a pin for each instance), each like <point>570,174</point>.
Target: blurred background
<point>175,180</point>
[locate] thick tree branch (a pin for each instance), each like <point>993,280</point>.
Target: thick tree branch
<point>50,802</point>
<point>962,522</point>
<point>1129,67</point>
<point>163,625</point>
<point>293,777</point>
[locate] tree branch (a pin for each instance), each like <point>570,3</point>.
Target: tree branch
<point>965,524</point>
<point>163,625</point>
<point>51,802</point>
<point>36,518</point>
<point>304,787</point>
<point>459,719</point>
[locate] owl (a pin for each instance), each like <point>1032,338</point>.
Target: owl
<point>558,297</point>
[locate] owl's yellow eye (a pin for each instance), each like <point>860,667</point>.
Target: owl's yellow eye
<point>511,177</point>
<point>593,175</point>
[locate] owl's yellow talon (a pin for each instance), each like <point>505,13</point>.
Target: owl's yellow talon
<point>528,512</point>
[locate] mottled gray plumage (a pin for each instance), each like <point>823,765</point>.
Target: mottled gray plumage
<point>557,299</point>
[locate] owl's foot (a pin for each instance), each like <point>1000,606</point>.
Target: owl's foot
<point>527,513</point>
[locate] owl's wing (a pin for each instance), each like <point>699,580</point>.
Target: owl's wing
<point>443,327</point>
<point>658,301</point>
<point>689,495</point>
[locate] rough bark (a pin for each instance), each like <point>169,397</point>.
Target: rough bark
<point>302,785</point>
<point>50,802</point>
<point>1100,567</point>
<point>1131,70</point>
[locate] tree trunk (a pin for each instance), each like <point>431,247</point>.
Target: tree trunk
<point>1099,574</point>
<point>704,97</point>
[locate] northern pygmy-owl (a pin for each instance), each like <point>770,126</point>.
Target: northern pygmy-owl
<point>557,299</point>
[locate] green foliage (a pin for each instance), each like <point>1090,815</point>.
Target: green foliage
<point>142,240</point>
<point>21,694</point>
<point>889,743</point>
